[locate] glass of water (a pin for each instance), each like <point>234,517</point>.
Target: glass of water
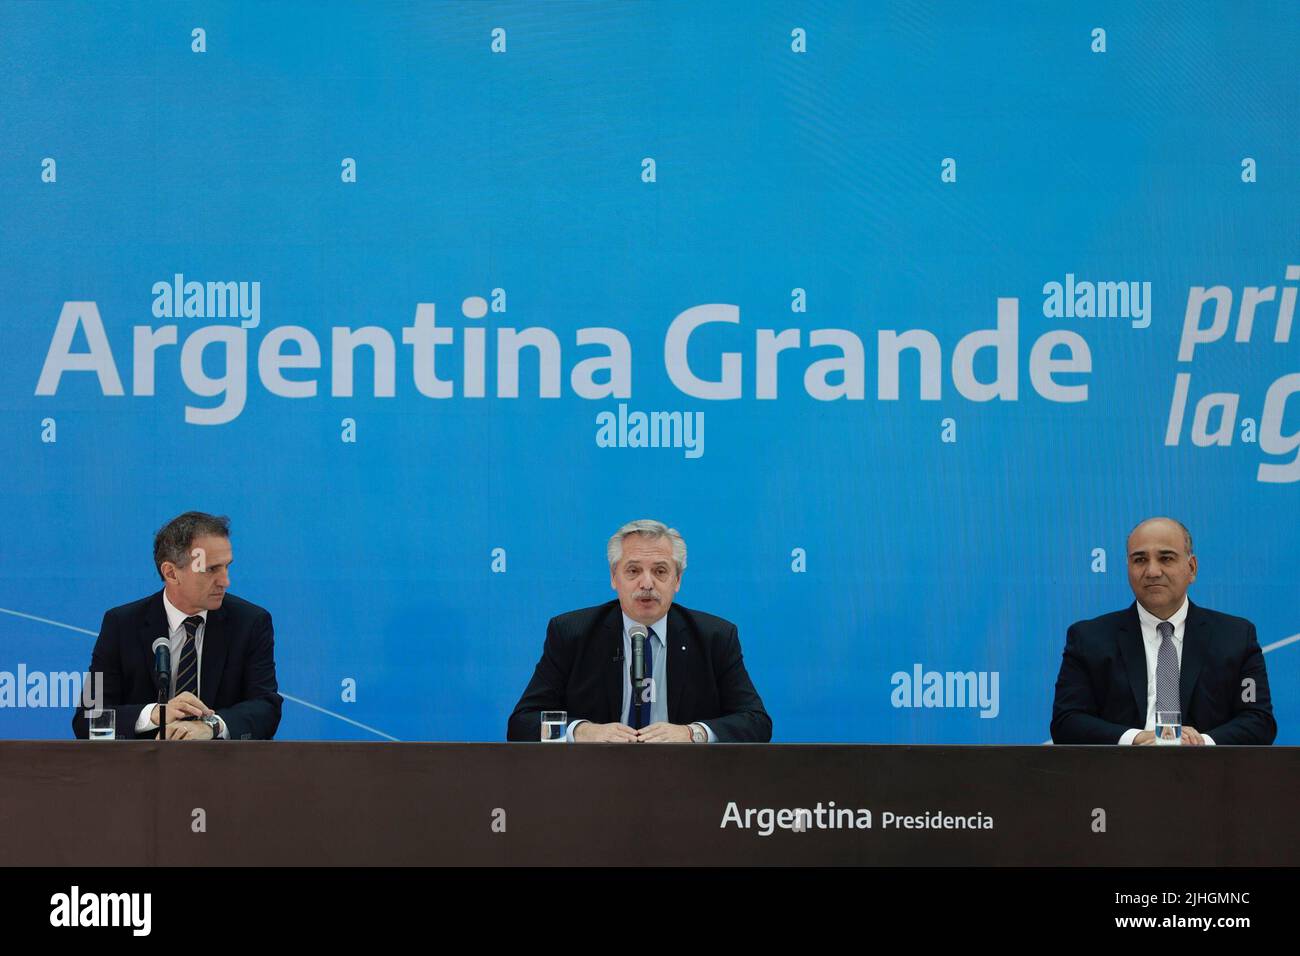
<point>554,724</point>
<point>1169,727</point>
<point>103,724</point>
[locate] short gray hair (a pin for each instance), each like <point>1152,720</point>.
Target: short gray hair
<point>653,530</point>
<point>173,540</point>
<point>1187,535</point>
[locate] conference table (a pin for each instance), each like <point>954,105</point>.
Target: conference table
<point>256,803</point>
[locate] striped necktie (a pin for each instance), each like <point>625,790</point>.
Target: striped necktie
<point>187,674</point>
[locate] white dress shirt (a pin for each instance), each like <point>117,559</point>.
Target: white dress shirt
<point>176,639</point>
<point>658,673</point>
<point>1151,644</point>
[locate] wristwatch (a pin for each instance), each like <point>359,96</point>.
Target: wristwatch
<point>699,735</point>
<point>215,724</point>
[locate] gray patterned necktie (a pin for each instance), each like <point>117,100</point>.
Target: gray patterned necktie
<point>1166,669</point>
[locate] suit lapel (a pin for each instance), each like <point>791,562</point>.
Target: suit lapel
<point>155,626</point>
<point>1194,649</point>
<point>1134,653</point>
<point>678,640</point>
<point>215,646</point>
<point>611,649</point>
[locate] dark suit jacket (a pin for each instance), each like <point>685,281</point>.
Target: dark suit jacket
<point>581,671</point>
<point>237,678</point>
<point>1102,687</point>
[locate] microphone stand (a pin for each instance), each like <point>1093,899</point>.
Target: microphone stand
<point>163,671</point>
<point>637,677</point>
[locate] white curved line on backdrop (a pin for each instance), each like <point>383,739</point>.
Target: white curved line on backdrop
<point>1282,643</point>
<point>296,700</point>
<point>46,620</point>
<point>349,720</point>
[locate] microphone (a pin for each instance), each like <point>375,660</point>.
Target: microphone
<point>638,633</point>
<point>162,660</point>
<point>162,668</point>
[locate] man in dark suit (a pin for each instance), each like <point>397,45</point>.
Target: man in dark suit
<point>1163,653</point>
<point>697,690</point>
<point>222,647</point>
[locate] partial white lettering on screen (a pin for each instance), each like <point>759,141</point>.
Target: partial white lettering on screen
<point>707,355</point>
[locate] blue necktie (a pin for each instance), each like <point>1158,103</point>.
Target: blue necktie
<point>638,710</point>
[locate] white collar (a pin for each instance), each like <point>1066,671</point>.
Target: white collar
<point>1149,620</point>
<point>660,627</point>
<point>176,617</point>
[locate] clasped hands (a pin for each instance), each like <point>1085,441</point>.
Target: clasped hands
<point>1190,736</point>
<point>657,733</point>
<point>181,711</point>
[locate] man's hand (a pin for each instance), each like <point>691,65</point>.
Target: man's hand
<point>664,733</point>
<point>180,707</point>
<point>188,730</point>
<point>589,733</point>
<point>1191,737</point>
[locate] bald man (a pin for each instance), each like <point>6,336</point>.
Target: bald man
<point>1162,649</point>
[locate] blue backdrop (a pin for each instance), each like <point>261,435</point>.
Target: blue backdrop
<point>873,168</point>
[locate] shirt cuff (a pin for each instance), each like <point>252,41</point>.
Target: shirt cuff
<point>1128,736</point>
<point>568,734</point>
<point>713,738</point>
<point>143,723</point>
<point>1208,739</point>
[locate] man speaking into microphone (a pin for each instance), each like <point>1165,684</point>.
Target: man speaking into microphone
<point>642,669</point>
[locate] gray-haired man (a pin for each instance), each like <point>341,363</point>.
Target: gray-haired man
<point>698,690</point>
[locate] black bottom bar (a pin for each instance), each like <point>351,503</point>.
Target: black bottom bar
<point>234,907</point>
